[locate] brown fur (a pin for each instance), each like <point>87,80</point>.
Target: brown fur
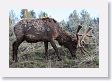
<point>44,29</point>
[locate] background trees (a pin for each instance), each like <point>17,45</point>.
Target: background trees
<point>27,14</point>
<point>12,18</point>
<point>42,14</point>
<point>74,19</point>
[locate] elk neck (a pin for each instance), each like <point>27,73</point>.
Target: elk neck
<point>63,38</point>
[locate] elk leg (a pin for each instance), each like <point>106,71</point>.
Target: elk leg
<point>15,49</point>
<point>46,49</point>
<point>55,48</point>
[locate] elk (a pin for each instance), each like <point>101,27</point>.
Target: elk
<point>46,30</point>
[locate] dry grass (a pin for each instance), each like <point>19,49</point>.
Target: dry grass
<point>35,59</point>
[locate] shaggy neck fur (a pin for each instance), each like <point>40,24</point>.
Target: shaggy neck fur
<point>63,38</point>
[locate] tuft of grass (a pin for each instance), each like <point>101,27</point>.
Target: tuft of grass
<point>96,61</point>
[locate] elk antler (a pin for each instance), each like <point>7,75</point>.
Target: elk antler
<point>77,35</point>
<point>84,35</point>
<point>81,41</point>
<point>79,27</point>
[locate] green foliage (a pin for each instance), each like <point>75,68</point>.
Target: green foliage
<point>33,14</point>
<point>10,21</point>
<point>96,60</point>
<point>27,14</point>
<point>42,14</point>
<point>64,25</point>
<point>12,18</point>
<point>73,20</point>
<point>85,18</point>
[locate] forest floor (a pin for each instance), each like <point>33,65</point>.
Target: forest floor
<point>32,56</point>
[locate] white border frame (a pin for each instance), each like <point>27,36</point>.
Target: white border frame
<point>102,71</point>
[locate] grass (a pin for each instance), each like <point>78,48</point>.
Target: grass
<point>35,59</point>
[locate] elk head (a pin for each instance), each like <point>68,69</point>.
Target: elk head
<point>77,41</point>
<point>73,42</point>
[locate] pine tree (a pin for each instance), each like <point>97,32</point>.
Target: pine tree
<point>73,20</point>
<point>25,14</point>
<point>12,18</point>
<point>43,15</point>
<point>85,18</point>
<point>33,14</point>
